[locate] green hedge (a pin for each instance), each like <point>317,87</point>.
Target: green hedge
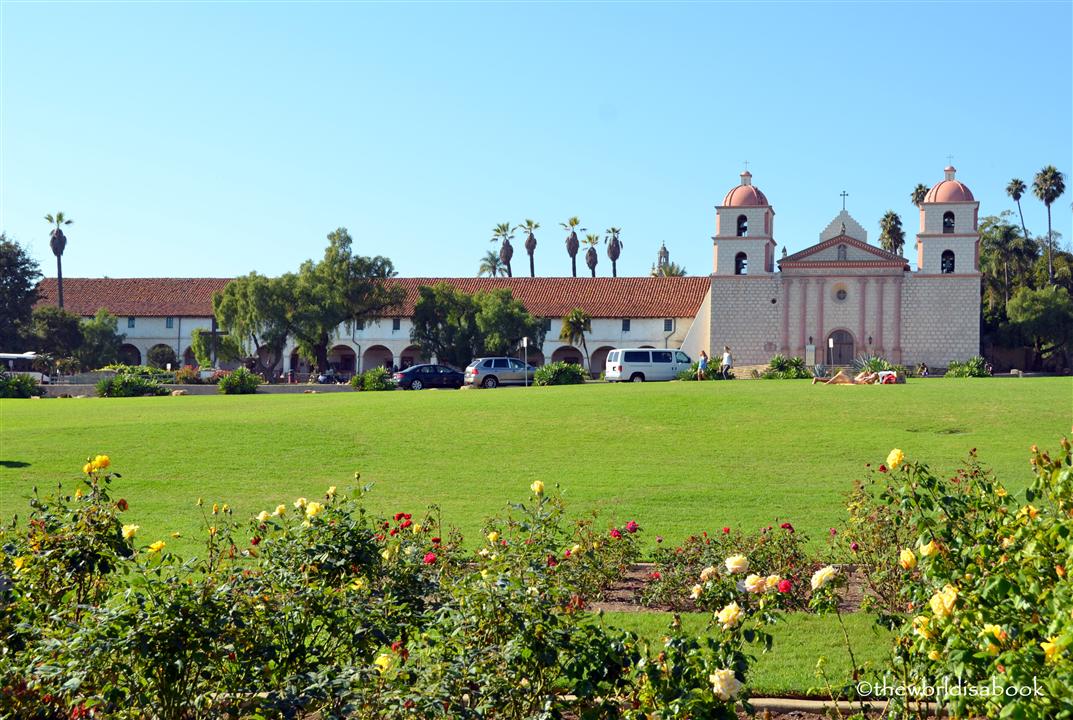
<point>18,386</point>
<point>239,382</point>
<point>559,373</point>
<point>129,386</point>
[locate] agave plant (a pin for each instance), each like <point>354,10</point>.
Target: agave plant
<point>871,363</point>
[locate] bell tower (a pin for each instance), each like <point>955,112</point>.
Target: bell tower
<point>744,228</point>
<point>949,239</point>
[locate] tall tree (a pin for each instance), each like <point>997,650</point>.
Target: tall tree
<point>101,341</point>
<point>918,194</point>
<point>19,274</point>
<point>1046,315</point>
<point>1048,186</point>
<point>342,289</point>
<point>491,265</point>
<point>591,256</point>
<point>891,236</point>
<point>503,234</point>
<point>1000,246</point>
<point>614,248</point>
<point>56,331</point>
<point>1016,190</point>
<point>255,313</point>
<point>58,242</point>
<point>530,227</point>
<point>576,323</point>
<point>671,269</point>
<point>572,244</point>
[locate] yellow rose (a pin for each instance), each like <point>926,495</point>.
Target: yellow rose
<point>212,531</point>
<point>384,662</point>
<point>300,503</point>
<point>226,508</point>
<point>907,559</point>
<point>696,592</point>
<point>537,487</point>
<point>418,527</point>
<point>263,516</point>
<point>920,627</point>
<point>1001,491</point>
<point>78,494</point>
<point>281,509</point>
<point>823,576</point>
<point>724,684</point>
<point>895,458</point>
<point>994,630</point>
<point>20,563</point>
<point>1028,511</point>
<point>493,537</point>
<point>772,581</point>
<point>331,492</point>
<point>729,616</point>
<point>102,461</point>
<point>157,546</point>
<point>935,655</point>
<point>708,573</point>
<point>130,531</point>
<point>1051,650</point>
<point>575,550</point>
<point>930,549</point>
<point>358,584</point>
<point>313,509</point>
<point>87,468</point>
<point>942,602</point>
<point>755,584</point>
<point>737,563</point>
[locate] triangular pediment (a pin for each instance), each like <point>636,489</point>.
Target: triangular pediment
<point>828,253</point>
<point>844,224</point>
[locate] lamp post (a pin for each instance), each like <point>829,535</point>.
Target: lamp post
<point>830,350</point>
<point>525,359</point>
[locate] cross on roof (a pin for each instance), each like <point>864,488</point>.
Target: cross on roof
<point>746,165</point>
<point>949,159</point>
<point>844,196</point>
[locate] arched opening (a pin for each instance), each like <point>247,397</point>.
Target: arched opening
<point>743,226</point>
<point>377,356</point>
<point>840,348</point>
<point>161,355</point>
<point>948,223</point>
<point>130,355</point>
<point>411,356</point>
<point>534,357</point>
<point>299,367</point>
<point>189,358</point>
<point>841,252</point>
<point>343,359</point>
<point>568,354</point>
<point>946,262</point>
<point>598,359</point>
<point>741,264</point>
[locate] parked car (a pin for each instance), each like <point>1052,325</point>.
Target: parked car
<point>493,371</point>
<point>331,376</point>
<point>642,364</point>
<point>418,377</point>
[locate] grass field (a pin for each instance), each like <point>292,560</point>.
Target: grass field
<point>678,457</point>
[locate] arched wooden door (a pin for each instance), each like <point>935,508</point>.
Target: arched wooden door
<point>840,348</point>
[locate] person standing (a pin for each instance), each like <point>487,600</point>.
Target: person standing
<point>727,364</point>
<point>702,366</point>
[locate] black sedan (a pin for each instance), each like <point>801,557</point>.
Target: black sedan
<point>418,377</point>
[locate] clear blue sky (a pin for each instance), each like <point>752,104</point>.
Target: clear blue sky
<point>191,139</point>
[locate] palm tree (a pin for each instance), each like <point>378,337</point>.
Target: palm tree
<point>503,234</point>
<point>614,248</point>
<point>1048,186</point>
<point>671,269</point>
<point>575,325</point>
<point>530,242</point>
<point>491,265</point>
<point>572,245</point>
<point>591,258</point>
<point>918,194</point>
<point>1016,189</point>
<point>58,242</point>
<point>891,236</point>
<point>1004,243</point>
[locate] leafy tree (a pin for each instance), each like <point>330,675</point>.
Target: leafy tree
<point>591,256</point>
<point>342,289</point>
<point>671,269</point>
<point>503,234</point>
<point>530,226</point>
<point>918,194</point>
<point>891,236</point>
<point>614,248</point>
<point>255,313</point>
<point>58,242</point>
<point>491,265</point>
<point>444,325</point>
<point>101,341</point>
<point>162,355</point>
<point>1016,190</point>
<point>19,274</point>
<point>575,325</point>
<point>1060,265</point>
<point>56,332</point>
<point>502,322</point>
<point>1048,186</point>
<point>1046,316</point>
<point>572,245</point>
<point>1005,256</point>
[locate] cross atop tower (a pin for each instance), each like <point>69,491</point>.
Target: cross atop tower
<point>746,163</point>
<point>949,159</point>
<point>844,196</point>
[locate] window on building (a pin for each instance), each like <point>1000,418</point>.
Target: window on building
<point>130,322</point>
<point>396,324</point>
<point>668,324</point>
<point>169,323</point>
<point>840,294</point>
<point>741,264</point>
<point>547,325</point>
<point>625,324</point>
<point>948,223</point>
<point>841,252</point>
<point>946,262</point>
<point>743,226</point>
<point>359,324</point>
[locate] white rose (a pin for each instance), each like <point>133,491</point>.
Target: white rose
<point>729,616</point>
<point>737,563</point>
<point>724,684</point>
<point>755,584</point>
<point>696,592</point>
<point>708,573</point>
<point>823,576</point>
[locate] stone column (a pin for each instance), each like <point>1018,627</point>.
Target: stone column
<point>880,283</point>
<point>862,329</point>
<point>804,314</point>
<point>784,344</point>
<point>896,351</point>
<point>820,335</point>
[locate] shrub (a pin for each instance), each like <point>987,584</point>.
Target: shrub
<point>16,385</point>
<point>711,374</point>
<point>123,385</point>
<point>239,382</point>
<point>781,367</point>
<point>560,373</point>
<point>144,371</point>
<point>378,378</point>
<point>357,381</point>
<point>188,375</point>
<point>871,363</point>
<point>973,367</point>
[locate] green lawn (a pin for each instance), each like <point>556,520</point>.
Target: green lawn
<point>678,457</point>
<point>799,640</point>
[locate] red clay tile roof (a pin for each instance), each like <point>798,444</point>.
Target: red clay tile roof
<point>632,297</point>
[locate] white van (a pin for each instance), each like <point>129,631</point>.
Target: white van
<point>641,364</point>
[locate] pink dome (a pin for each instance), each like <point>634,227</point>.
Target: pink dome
<point>746,194</point>
<point>949,190</point>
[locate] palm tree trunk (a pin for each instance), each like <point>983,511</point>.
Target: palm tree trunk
<point>509,274</point>
<point>532,271</point>
<point>614,268</point>
<point>573,265</point>
<point>1006,282</point>
<point>1023,228</point>
<point>59,278</point>
<point>1050,246</point>
<point>593,269</point>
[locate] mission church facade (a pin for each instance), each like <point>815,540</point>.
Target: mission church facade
<point>828,303</point>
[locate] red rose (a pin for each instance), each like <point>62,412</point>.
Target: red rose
<point>398,516</point>
<point>784,586</point>
<point>632,527</point>
<point>255,541</point>
<point>435,541</point>
<point>430,558</point>
<point>122,504</point>
<point>882,468</point>
<point>854,547</point>
<point>654,575</point>
<point>552,562</point>
<point>406,523</point>
<point>726,531</point>
<point>787,526</point>
<point>615,533</point>
<point>394,532</point>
